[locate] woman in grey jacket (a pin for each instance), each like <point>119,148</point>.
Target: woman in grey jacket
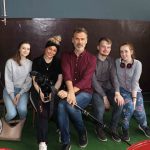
<point>17,82</point>
<point>129,71</point>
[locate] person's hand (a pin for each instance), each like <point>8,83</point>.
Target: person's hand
<point>134,103</point>
<point>71,98</point>
<point>119,99</point>
<point>106,102</point>
<point>62,94</point>
<point>16,99</point>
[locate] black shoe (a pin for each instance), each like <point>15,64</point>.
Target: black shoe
<point>83,140</point>
<point>100,134</point>
<point>146,130</point>
<point>115,136</point>
<point>66,147</point>
<point>125,134</point>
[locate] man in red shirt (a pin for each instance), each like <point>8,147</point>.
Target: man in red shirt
<point>78,67</point>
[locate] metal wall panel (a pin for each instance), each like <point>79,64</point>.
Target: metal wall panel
<point>37,31</point>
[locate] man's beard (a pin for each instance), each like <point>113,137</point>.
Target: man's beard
<point>80,48</point>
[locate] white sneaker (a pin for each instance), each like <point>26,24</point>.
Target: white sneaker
<point>42,146</point>
<point>1,126</point>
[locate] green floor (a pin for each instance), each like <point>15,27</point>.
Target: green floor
<point>28,141</point>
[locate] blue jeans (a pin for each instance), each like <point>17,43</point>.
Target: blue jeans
<point>11,109</point>
<point>66,111</point>
<point>99,108</point>
<point>128,109</point>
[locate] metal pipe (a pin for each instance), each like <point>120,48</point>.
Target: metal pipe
<point>104,126</point>
<point>4,14</point>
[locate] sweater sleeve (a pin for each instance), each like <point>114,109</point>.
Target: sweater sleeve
<point>9,78</point>
<point>114,77</point>
<point>136,76</point>
<point>28,81</point>
<point>97,87</point>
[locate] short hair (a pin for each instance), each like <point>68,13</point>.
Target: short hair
<point>105,39</point>
<point>79,30</point>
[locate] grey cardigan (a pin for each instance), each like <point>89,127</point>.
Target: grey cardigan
<point>17,76</point>
<point>129,78</point>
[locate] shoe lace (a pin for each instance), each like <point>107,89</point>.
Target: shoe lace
<point>100,130</point>
<point>83,137</point>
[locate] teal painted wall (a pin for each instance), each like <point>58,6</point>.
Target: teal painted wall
<point>100,9</point>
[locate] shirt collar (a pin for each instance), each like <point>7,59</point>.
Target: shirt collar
<point>82,54</point>
<point>107,58</point>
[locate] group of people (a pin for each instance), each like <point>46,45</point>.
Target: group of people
<point>77,78</point>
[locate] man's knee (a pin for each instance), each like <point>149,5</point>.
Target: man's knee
<point>61,105</point>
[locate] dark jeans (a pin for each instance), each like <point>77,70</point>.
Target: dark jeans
<point>66,112</point>
<point>99,108</point>
<point>44,113</point>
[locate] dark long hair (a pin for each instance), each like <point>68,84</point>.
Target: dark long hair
<point>17,56</point>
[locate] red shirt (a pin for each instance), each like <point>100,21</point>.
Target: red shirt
<point>79,69</point>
